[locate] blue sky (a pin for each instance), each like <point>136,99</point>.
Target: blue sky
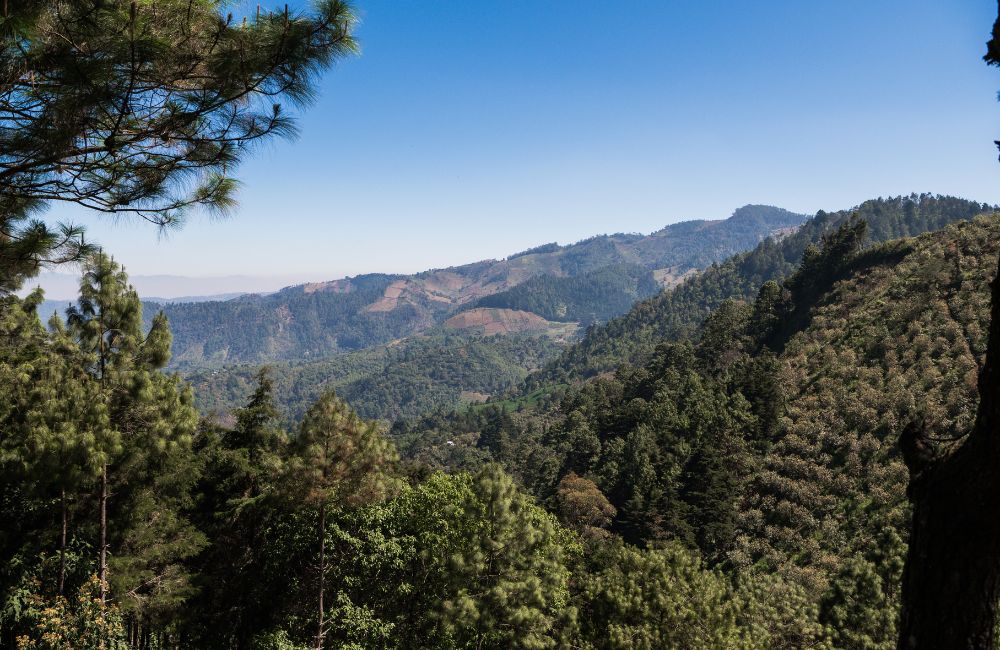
<point>474,129</point>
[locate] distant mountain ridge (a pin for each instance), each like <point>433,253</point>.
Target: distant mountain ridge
<point>218,297</point>
<point>677,313</point>
<point>314,320</point>
<point>50,307</point>
<point>484,352</point>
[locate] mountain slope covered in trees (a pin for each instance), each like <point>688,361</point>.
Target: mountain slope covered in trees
<point>740,488</point>
<point>591,280</point>
<point>591,297</point>
<point>442,369</point>
<point>677,313</point>
<point>244,534</point>
<point>768,439</point>
<point>381,384</point>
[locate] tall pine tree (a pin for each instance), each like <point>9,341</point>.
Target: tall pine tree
<point>144,453</point>
<point>339,459</point>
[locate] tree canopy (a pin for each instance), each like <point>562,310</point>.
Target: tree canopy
<point>141,108</point>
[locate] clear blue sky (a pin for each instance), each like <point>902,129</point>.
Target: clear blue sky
<point>473,129</point>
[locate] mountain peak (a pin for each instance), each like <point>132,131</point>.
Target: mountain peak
<point>769,214</point>
<point>764,212</point>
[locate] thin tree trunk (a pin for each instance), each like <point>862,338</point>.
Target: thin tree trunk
<point>951,582</point>
<point>62,541</point>
<point>103,567</point>
<point>322,572</point>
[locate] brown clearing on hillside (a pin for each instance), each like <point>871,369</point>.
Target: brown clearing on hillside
<point>497,321</point>
<point>390,298</point>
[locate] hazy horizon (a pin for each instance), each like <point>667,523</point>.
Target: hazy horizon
<point>62,282</point>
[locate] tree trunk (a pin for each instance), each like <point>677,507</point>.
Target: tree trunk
<point>62,542</point>
<point>951,582</point>
<point>322,572</point>
<point>102,574</point>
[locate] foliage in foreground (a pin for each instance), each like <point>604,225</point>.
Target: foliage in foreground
<point>769,441</point>
<point>739,490</point>
<point>252,537</point>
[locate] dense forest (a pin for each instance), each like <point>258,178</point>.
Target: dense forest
<point>747,475</point>
<point>439,370</point>
<point>678,313</point>
<point>416,376</point>
<point>793,448</point>
<point>422,374</point>
<point>589,298</point>
<point>767,441</point>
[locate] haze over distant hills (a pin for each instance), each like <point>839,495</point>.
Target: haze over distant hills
<point>586,282</point>
<point>50,307</point>
<point>63,285</point>
<point>61,288</point>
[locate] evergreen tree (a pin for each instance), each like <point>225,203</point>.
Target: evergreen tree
<point>50,416</point>
<point>509,583</point>
<point>338,459</point>
<point>713,482</point>
<point>240,503</point>
<point>643,515</point>
<point>141,109</point>
<point>856,610</point>
<point>62,414</point>
<point>144,452</point>
<point>659,598</point>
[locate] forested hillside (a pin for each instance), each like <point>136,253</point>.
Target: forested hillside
<point>293,323</point>
<point>740,488</point>
<point>418,375</point>
<point>225,535</point>
<point>769,440</point>
<point>676,313</point>
<point>409,378</point>
<point>589,281</point>
<point>592,297</point>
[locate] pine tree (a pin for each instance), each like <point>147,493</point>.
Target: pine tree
<point>240,502</point>
<point>856,610</point>
<point>256,429</point>
<point>141,109</point>
<point>49,413</point>
<point>151,423</point>
<point>62,413</point>
<point>338,459</point>
<point>660,598</point>
<point>509,575</point>
<point>712,485</point>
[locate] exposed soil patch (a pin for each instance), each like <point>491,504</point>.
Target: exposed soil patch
<point>497,321</point>
<point>390,298</point>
